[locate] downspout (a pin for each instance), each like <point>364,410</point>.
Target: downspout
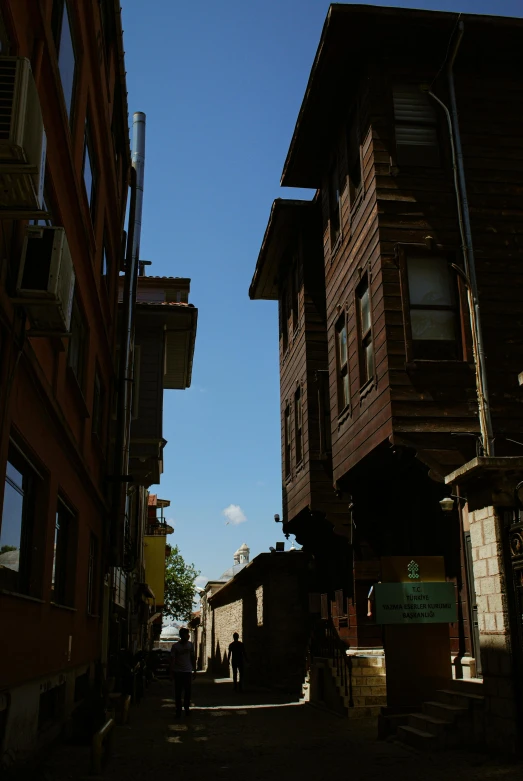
<point>125,377</point>
<point>485,421</point>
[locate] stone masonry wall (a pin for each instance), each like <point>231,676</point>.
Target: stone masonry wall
<point>227,619</point>
<point>493,619</point>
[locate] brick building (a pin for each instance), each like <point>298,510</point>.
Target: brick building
<point>64,165</point>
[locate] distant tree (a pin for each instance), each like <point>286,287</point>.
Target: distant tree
<point>7,548</point>
<point>179,586</point>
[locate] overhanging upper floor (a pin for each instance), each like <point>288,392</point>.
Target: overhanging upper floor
<point>358,39</point>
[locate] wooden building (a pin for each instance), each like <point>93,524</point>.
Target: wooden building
<point>394,334</point>
<point>64,164</point>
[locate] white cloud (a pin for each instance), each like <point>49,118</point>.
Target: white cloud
<point>201,580</point>
<point>234,515</point>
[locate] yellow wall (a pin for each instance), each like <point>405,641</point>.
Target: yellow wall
<point>155,565</point>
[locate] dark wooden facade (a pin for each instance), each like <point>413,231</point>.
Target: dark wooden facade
<point>402,388</point>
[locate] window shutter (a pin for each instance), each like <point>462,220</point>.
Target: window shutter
<point>324,606</point>
<point>415,125</point>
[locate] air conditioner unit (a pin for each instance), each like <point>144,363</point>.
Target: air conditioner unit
<point>46,279</point>
<point>22,138</point>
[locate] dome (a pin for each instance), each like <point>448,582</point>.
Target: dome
<point>243,547</point>
<point>232,571</point>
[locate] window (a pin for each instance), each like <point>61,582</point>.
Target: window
<point>432,308</point>
<point>106,267</point>
<point>17,522</point>
<point>365,332</point>
<point>415,126</point>
<point>354,159</point>
<point>120,586</point>
<point>98,400</point>
<point>77,340</point>
<point>89,170</point>
<point>295,286</point>
<point>65,50</point>
<point>91,575</point>
<point>284,321</point>
<point>287,434</point>
<point>334,204</point>
<point>298,425</point>
<point>64,560</point>
<point>342,358</point>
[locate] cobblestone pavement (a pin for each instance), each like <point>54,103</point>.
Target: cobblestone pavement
<point>259,735</point>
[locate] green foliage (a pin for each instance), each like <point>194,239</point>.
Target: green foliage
<point>7,548</point>
<point>179,586</point>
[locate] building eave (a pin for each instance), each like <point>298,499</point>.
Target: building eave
<point>281,228</point>
<point>351,36</point>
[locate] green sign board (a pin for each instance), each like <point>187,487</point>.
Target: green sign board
<point>415,603</point>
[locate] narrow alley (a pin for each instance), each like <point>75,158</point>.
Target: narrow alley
<point>258,735</point>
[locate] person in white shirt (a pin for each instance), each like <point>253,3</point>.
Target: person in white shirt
<point>183,669</point>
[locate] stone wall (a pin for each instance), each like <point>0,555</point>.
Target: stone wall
<point>493,618</point>
<point>267,604</point>
<point>228,619</point>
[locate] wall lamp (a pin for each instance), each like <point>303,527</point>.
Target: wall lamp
<point>447,504</point>
<point>277,518</point>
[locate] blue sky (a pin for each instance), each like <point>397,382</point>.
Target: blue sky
<point>221,84</point>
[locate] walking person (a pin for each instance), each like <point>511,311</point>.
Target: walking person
<point>238,656</point>
<point>183,669</point>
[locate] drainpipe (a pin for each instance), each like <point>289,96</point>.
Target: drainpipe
<point>485,421</point>
<point>125,378</point>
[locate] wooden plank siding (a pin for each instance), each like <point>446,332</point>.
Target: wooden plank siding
<point>402,207</point>
<point>412,205</point>
<point>309,485</point>
<point>356,433</point>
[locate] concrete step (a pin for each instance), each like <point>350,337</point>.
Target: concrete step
<point>437,727</point>
<point>460,698</point>
<point>418,738</point>
<point>444,711</point>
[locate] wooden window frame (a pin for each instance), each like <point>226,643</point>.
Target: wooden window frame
<point>335,227</point>
<point>295,293</point>
<point>287,444</point>
<point>284,320</point>
<point>342,367</point>
<point>354,158</point>
<point>463,340</point>
<point>298,424</point>
<point>365,337</point>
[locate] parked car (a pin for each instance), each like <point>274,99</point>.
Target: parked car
<point>160,661</point>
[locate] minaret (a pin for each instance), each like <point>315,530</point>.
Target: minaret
<point>237,557</point>
<point>243,552</point>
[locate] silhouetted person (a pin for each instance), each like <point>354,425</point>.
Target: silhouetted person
<point>183,668</point>
<point>238,656</point>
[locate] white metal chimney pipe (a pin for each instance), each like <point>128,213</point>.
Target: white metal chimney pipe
<point>138,163</point>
